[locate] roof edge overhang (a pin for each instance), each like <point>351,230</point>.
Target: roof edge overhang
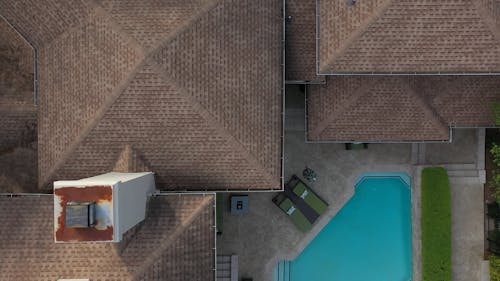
<point>308,140</point>
<point>305,82</point>
<point>408,73</point>
<point>283,96</point>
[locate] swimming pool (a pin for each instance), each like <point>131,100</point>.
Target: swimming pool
<point>368,239</point>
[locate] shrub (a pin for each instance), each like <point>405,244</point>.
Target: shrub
<point>496,112</point>
<point>494,268</point>
<point>495,152</point>
<point>493,210</point>
<point>495,184</point>
<point>494,240</point>
<point>436,225</point>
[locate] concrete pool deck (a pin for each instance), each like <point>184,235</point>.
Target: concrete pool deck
<point>266,235</point>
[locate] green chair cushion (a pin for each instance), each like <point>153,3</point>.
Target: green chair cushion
<point>297,217</point>
<point>310,198</point>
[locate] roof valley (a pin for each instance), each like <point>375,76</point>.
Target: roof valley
<point>130,160</point>
<point>488,19</point>
<point>428,109</point>
<point>115,94</point>
<point>183,27</point>
<point>153,257</point>
<point>316,132</point>
<point>118,28</point>
<point>100,12</point>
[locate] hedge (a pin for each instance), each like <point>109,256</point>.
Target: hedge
<point>494,268</point>
<point>436,225</point>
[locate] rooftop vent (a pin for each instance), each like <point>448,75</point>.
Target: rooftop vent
<point>80,214</point>
<point>351,3</point>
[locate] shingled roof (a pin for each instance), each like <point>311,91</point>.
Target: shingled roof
<point>399,108</point>
<point>409,36</point>
<point>193,88</point>
<point>175,242</point>
<point>301,42</point>
<point>17,110</point>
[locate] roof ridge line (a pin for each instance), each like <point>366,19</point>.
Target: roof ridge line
<point>209,118</point>
<point>153,257</point>
<point>428,109</point>
<point>335,114</point>
<point>354,37</point>
<point>98,11</point>
<point>488,19</point>
<point>110,100</point>
<point>184,26</point>
<point>132,42</point>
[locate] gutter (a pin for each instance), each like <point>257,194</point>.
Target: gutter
<point>283,94</point>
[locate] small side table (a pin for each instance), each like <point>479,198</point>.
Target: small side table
<point>239,204</point>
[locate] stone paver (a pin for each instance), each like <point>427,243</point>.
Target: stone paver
<point>467,231</point>
<point>462,150</point>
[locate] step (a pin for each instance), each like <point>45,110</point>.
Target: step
<point>463,173</point>
<point>223,274</point>
<point>223,259</point>
<point>227,268</point>
<point>224,266</point>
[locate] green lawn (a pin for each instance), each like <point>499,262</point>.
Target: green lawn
<point>436,225</point>
<point>494,268</point>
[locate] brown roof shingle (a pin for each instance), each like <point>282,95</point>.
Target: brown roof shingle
<point>409,36</point>
<point>177,235</point>
<point>194,87</point>
<point>399,108</point>
<point>17,109</point>
<point>301,42</point>
<point>150,22</point>
<point>44,21</point>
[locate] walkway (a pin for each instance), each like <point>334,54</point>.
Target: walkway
<point>467,231</point>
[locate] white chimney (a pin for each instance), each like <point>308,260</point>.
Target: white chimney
<point>100,208</point>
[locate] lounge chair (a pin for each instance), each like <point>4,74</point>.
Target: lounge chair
<point>313,200</point>
<point>294,213</point>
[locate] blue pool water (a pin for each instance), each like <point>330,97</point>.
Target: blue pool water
<point>368,239</point>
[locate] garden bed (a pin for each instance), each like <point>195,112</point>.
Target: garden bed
<point>436,225</point>
<point>491,210</point>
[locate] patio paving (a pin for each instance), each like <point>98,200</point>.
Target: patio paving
<point>459,151</point>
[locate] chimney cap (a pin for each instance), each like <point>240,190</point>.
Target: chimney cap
<point>80,214</point>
